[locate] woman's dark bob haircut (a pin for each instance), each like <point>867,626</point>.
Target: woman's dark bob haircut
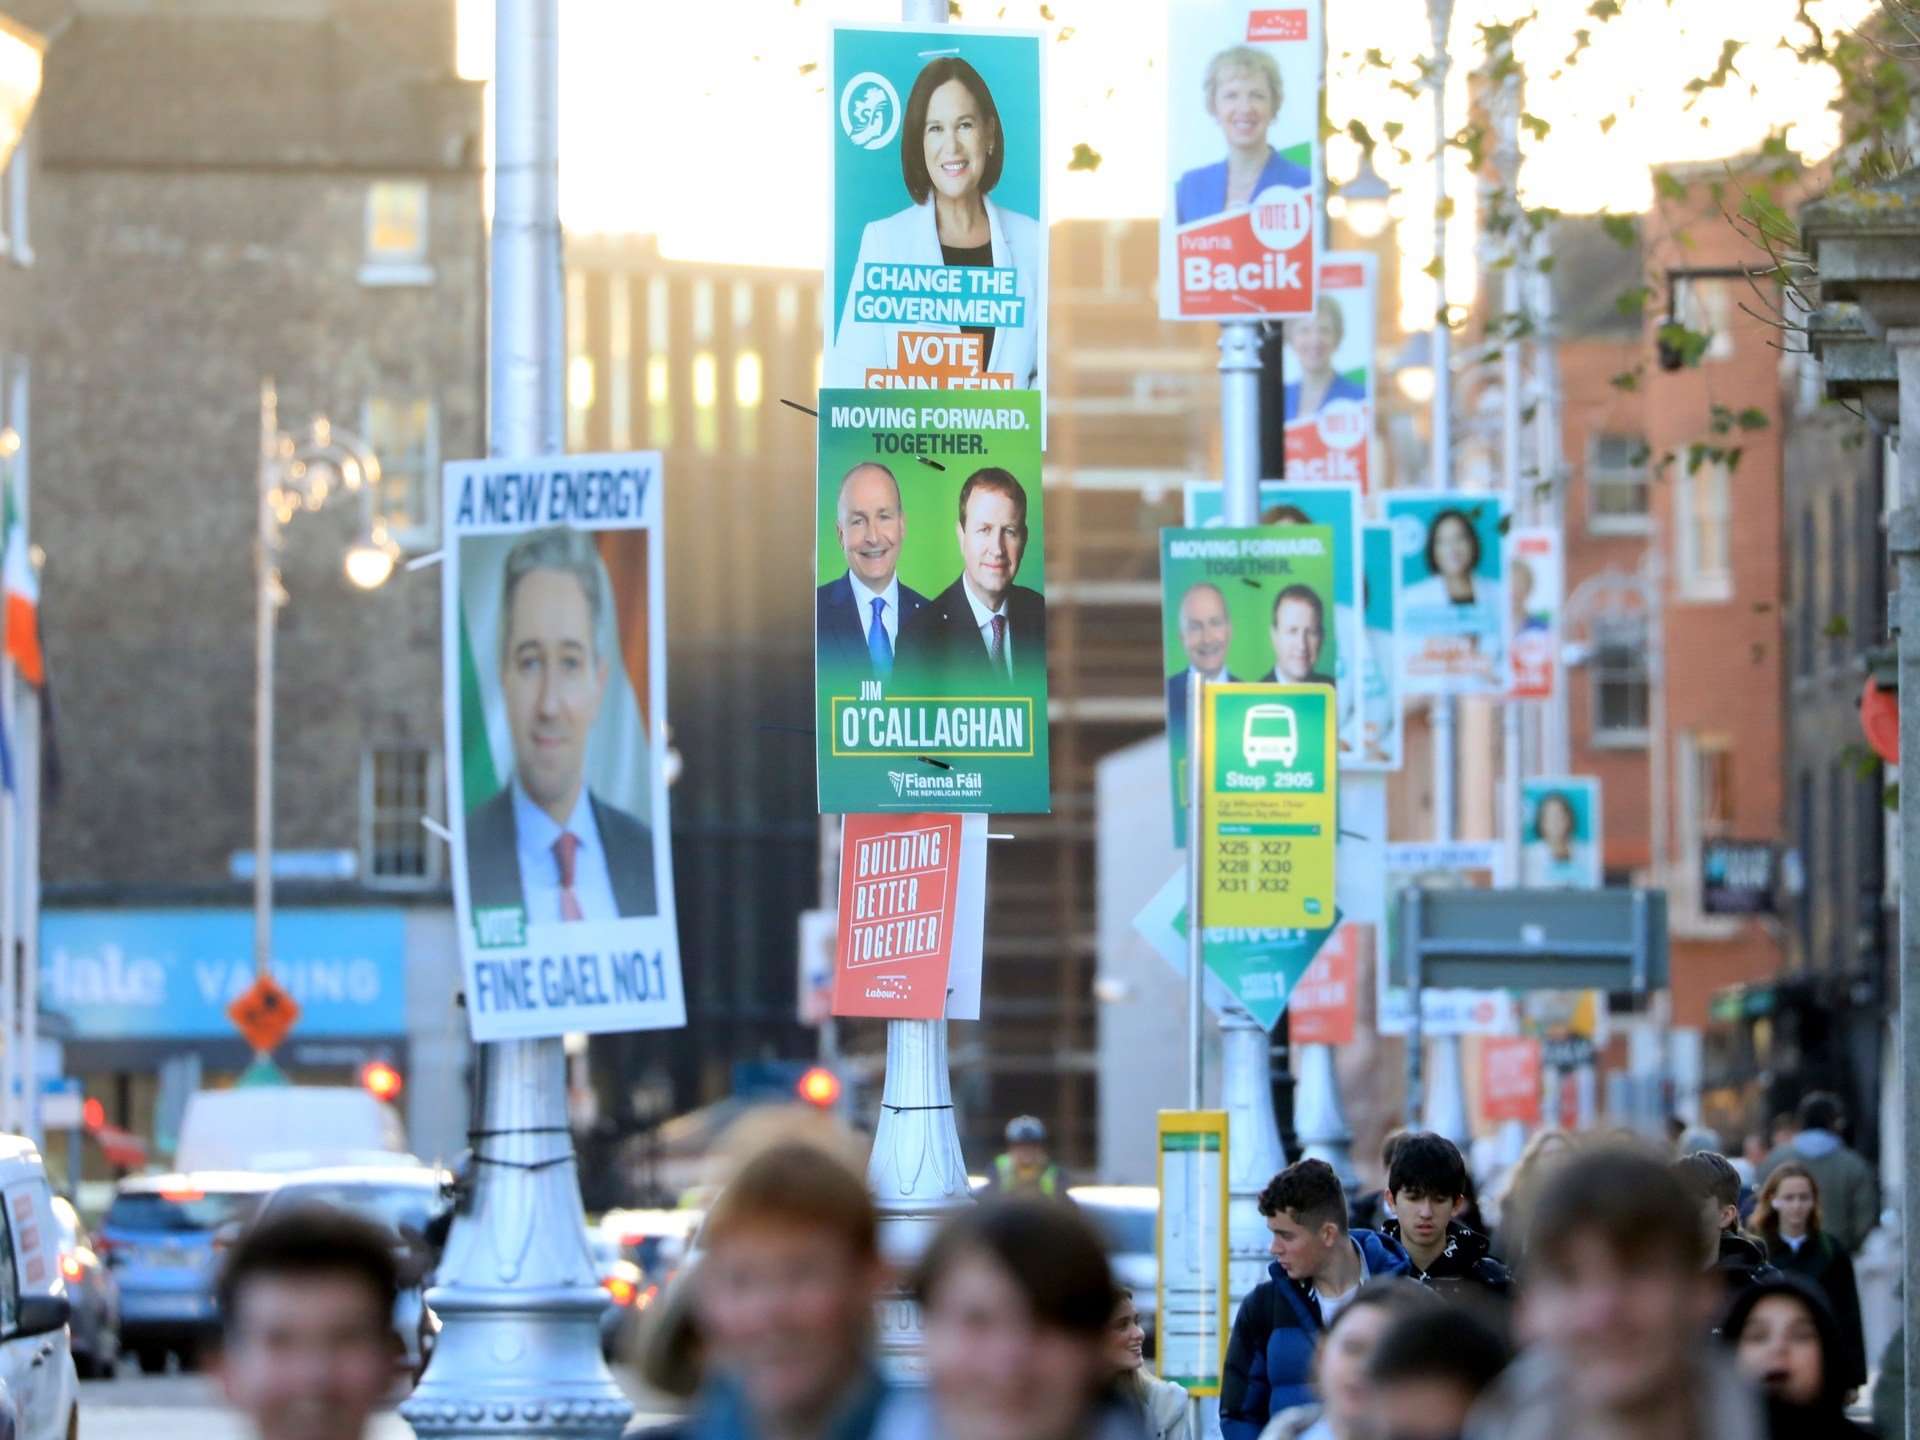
<point>1433,537</point>
<point>1045,1247</point>
<point>913,131</point>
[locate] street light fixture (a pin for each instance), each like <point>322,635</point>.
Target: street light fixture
<point>298,471</point>
<point>1364,201</point>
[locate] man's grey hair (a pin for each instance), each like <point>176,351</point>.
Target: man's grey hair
<point>558,547</point>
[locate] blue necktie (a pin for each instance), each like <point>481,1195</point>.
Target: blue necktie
<point>878,646</point>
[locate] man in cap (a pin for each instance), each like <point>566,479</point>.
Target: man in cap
<point>1025,1169</point>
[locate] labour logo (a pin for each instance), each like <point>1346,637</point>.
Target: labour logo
<point>870,110</point>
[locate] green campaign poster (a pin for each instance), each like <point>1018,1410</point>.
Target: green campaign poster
<point>930,623</point>
<point>1242,604</point>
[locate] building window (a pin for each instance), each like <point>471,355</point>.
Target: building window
<point>706,403</point>
<point>1705,795</point>
<point>1803,591</point>
<point>396,248</point>
<point>1620,681</point>
<point>400,784</point>
<point>404,432</point>
<point>1704,304</point>
<point>14,239</point>
<point>746,401</point>
<point>1703,499</point>
<point>619,362</point>
<point>1713,772</point>
<point>659,355</point>
<point>1841,558</point>
<point>1617,487</point>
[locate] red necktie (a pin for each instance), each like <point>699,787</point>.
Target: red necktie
<point>997,651</point>
<point>564,849</point>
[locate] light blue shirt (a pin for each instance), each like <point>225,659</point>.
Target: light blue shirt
<point>540,866</point>
<point>863,598</point>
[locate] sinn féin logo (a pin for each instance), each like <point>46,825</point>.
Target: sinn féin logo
<point>899,780</point>
<point>870,110</point>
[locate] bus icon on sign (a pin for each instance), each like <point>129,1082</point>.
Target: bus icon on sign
<point>1270,735</point>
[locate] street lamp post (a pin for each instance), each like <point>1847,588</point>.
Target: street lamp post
<point>298,471</point>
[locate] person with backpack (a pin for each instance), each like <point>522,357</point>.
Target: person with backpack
<point>1318,1267</point>
<point>1786,1219</point>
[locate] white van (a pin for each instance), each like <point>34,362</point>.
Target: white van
<point>36,1358</point>
<point>289,1127</point>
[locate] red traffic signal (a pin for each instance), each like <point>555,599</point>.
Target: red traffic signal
<point>381,1080</point>
<point>93,1114</point>
<point>819,1086</point>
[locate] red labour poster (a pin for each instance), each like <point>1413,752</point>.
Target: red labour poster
<point>1320,1010</point>
<point>1510,1078</point>
<point>899,886</point>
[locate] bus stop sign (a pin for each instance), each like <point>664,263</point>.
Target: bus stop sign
<point>1614,940</point>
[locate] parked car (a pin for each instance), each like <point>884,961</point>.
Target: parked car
<point>627,1295</point>
<point>1127,1217</point>
<point>162,1238</point>
<point>95,1295</point>
<point>36,1360</point>
<point>406,1201</point>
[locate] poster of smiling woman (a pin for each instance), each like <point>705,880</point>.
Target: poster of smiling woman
<point>1560,845</point>
<point>555,656</point>
<point>937,260</point>
<point>1452,608</point>
<point>1243,160</point>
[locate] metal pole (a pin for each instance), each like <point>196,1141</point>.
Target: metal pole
<point>1507,171</point>
<point>266,608</point>
<point>1904,542</point>
<point>1246,1064</point>
<point>520,1298</point>
<point>917,1172</point>
<point>27,755</point>
<point>1440,15</point>
<point>10,919</point>
<point>1554,758</point>
<point>828,1051</point>
<point>1196,908</point>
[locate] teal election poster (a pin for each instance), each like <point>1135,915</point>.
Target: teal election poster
<point>937,266</point>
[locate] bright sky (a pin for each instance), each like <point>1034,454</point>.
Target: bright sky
<point>695,121</point>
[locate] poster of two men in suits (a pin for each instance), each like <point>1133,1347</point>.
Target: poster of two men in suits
<point>930,622</point>
<point>556,738</point>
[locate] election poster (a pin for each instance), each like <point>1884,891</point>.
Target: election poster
<point>1380,704</point>
<point>1510,1078</point>
<point>1243,160</point>
<point>1258,968</point>
<point>1322,1008</point>
<point>1338,508</point>
<point>1268,806</point>
<point>1535,579</point>
<point>1560,840</point>
<point>912,917</point>
<point>937,260</point>
<point>1244,604</point>
<point>930,620</point>
<point>1453,604</point>
<point>815,975</point>
<point>1438,865</point>
<point>555,671</point>
<point>1326,372</point>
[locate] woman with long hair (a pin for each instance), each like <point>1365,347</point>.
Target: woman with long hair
<point>1786,1219</point>
<point>1161,1404</point>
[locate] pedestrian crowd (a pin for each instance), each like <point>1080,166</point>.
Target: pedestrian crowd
<point>1625,1298</point>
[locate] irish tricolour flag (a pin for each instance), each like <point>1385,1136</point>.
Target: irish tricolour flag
<point>23,594</point>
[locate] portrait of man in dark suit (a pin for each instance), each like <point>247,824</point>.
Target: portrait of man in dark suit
<point>857,618</point>
<point>1206,630</point>
<point>984,629</point>
<point>545,842</point>
<point>1299,631</point>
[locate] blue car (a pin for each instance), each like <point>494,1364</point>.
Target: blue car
<point>162,1238</point>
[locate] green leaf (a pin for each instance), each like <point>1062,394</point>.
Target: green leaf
<point>1667,186</point>
<point>1607,122</point>
<point>1628,380</point>
<point>1604,9</point>
<point>1623,230</point>
<point>1085,157</point>
<point>1534,126</point>
<point>1837,628</point>
<point>1632,302</point>
<point>1689,345</point>
<point>1434,269</point>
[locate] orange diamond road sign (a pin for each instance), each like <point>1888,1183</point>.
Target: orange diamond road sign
<point>264,1013</point>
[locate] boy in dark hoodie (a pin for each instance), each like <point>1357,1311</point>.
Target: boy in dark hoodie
<point>1785,1340</point>
<point>1319,1265</point>
<point>1427,1186</point>
<point>1713,1184</point>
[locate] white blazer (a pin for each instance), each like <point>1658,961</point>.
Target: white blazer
<point>912,237</point>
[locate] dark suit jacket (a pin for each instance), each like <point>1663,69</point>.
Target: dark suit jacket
<point>493,856</point>
<point>943,642</point>
<point>1272,677</point>
<point>838,635</point>
<point>1179,693</point>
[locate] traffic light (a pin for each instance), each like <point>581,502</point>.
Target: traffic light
<point>381,1080</point>
<point>819,1086</point>
<point>93,1114</point>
